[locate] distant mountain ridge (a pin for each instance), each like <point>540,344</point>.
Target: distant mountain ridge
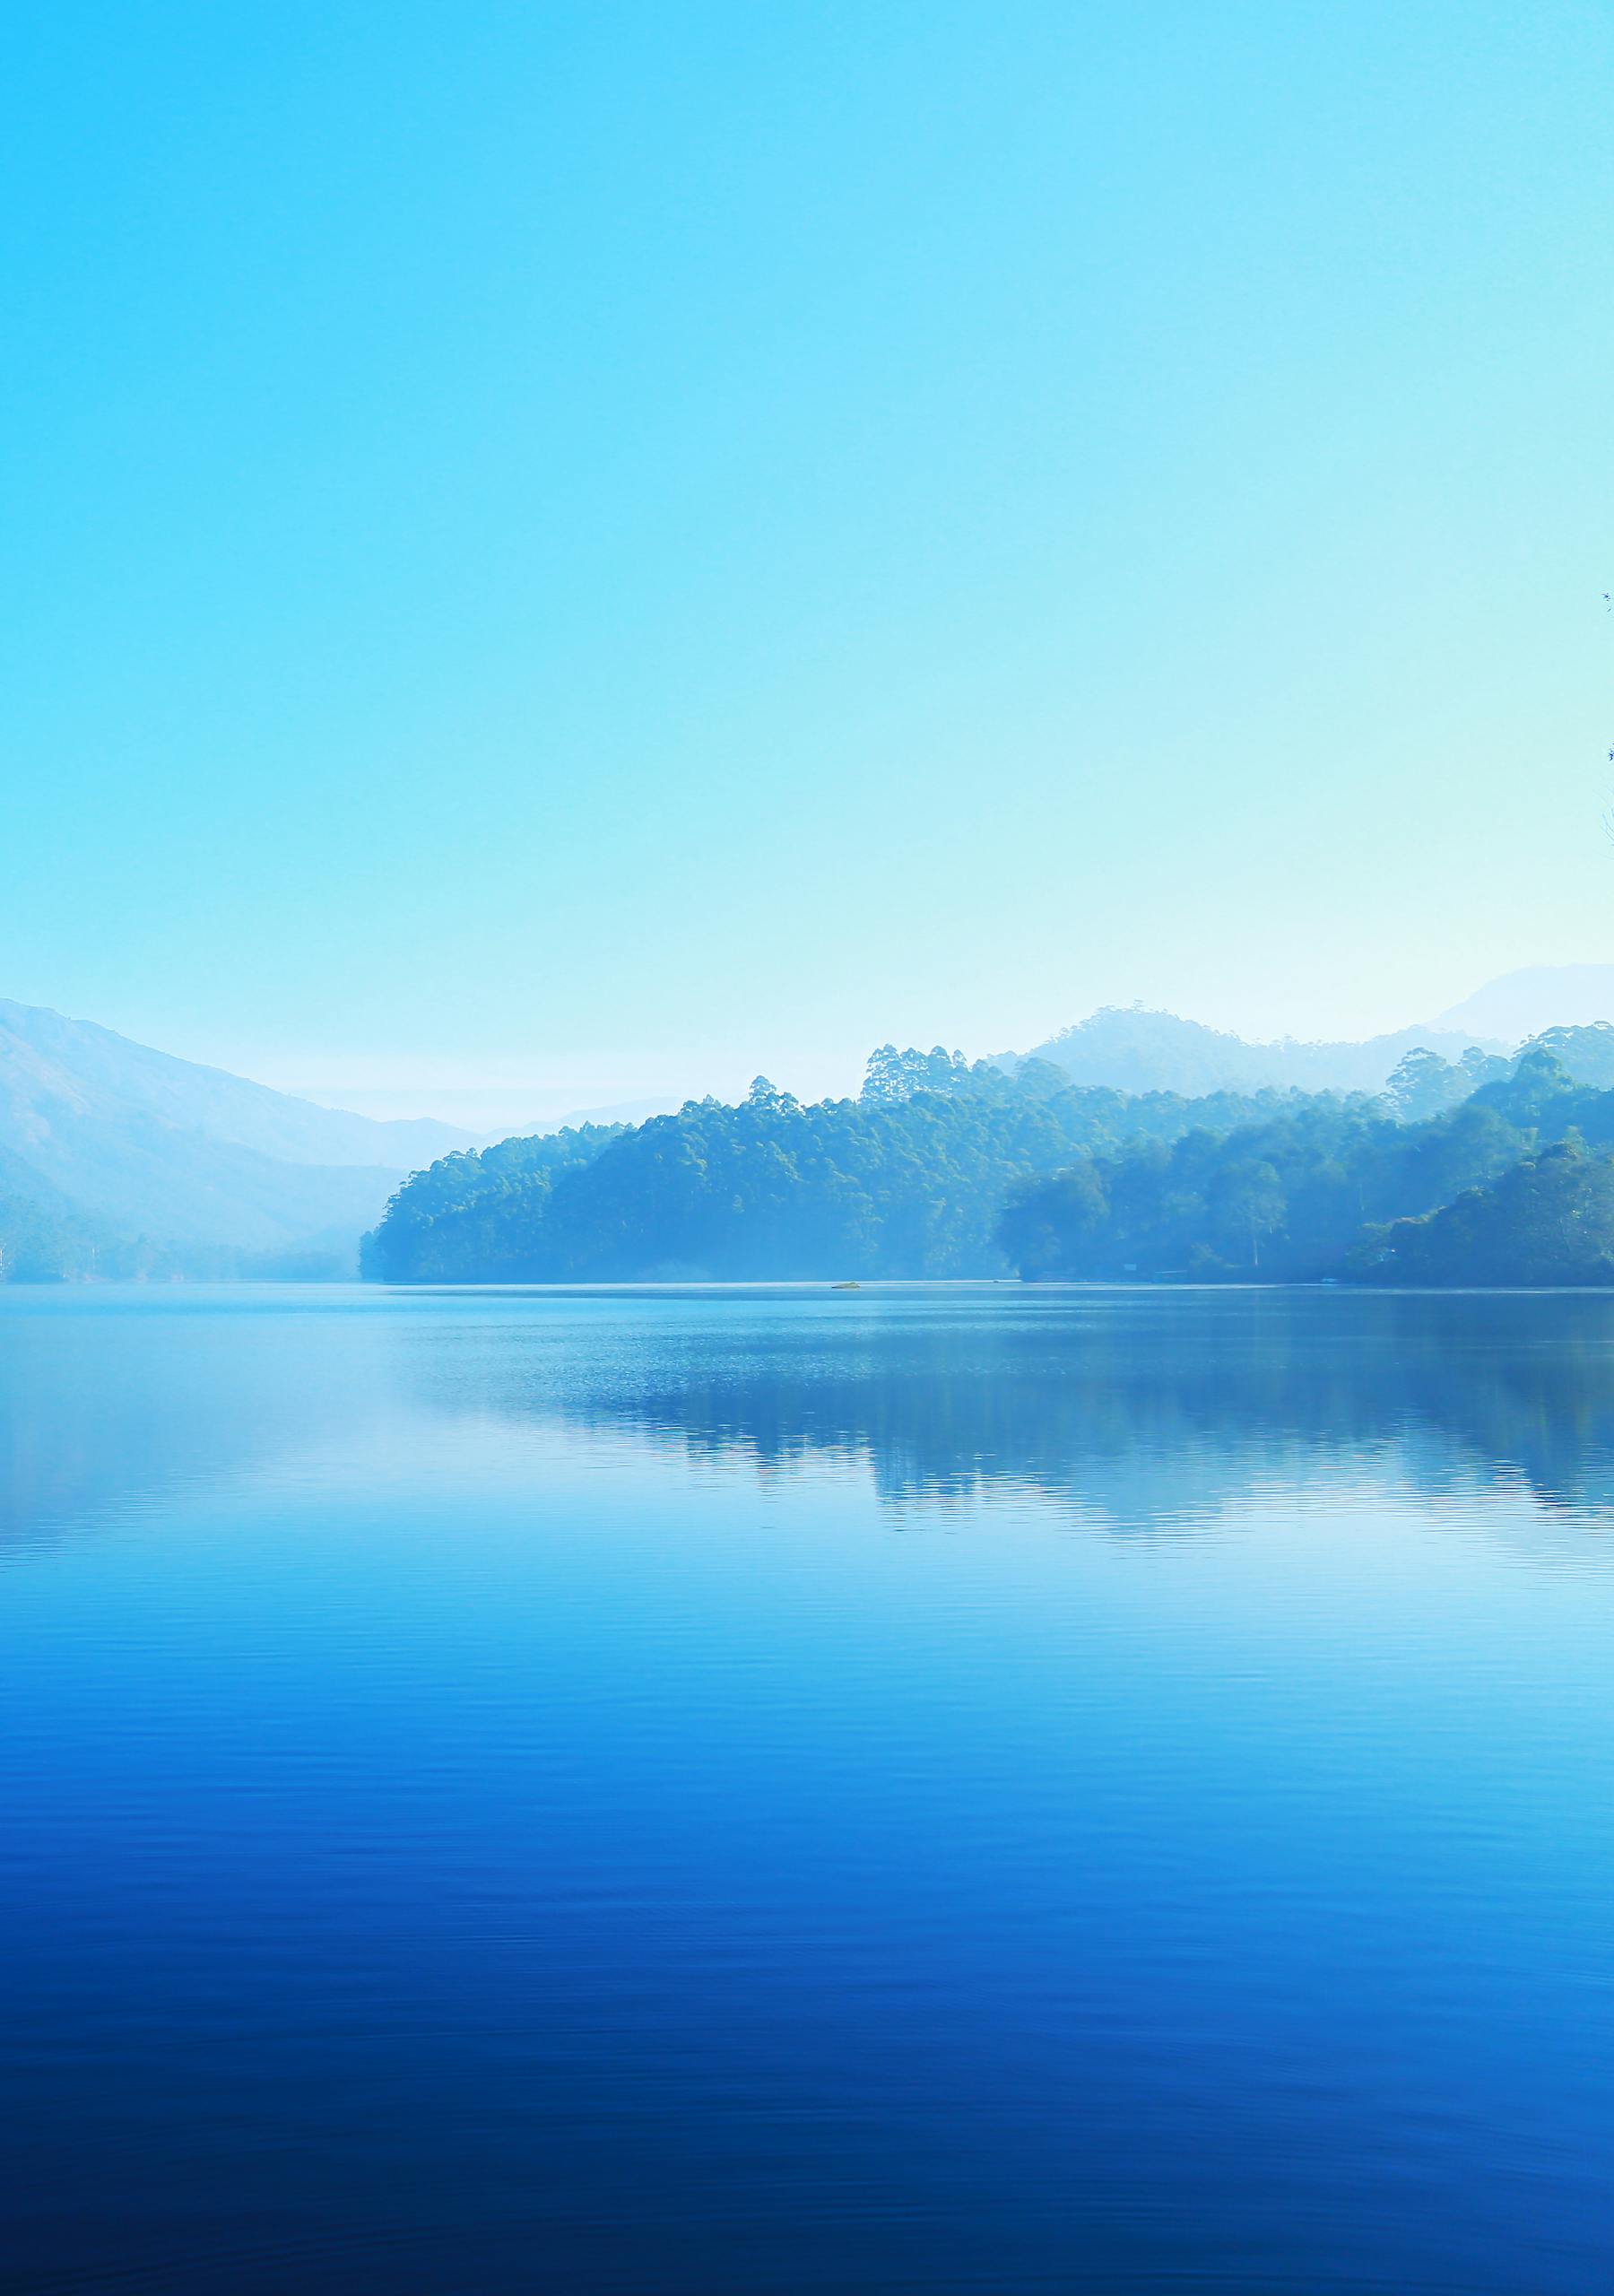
<point>103,1142</point>
<point>1520,1004</point>
<point>1135,1050</point>
<point>99,1066</point>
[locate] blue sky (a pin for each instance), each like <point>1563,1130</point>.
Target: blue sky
<point>552,552</point>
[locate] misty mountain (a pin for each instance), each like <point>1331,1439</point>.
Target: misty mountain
<point>1132,1050</point>
<point>613,1112</point>
<point>110,1141</point>
<point>102,1067</point>
<point>1519,1004</point>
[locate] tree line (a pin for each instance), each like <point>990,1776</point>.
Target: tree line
<point>906,1181</point>
<point>1503,1187</point>
<point>942,1168</point>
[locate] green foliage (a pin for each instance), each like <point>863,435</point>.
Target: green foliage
<point>46,1240</point>
<point>1586,1054</point>
<point>941,1169</point>
<point>1541,1093</point>
<point>467,1217</point>
<point>1423,1084</point>
<point>907,1180</point>
<point>1326,1186</point>
<point>1549,1220</point>
<point>1286,1197</point>
<point>892,1075</point>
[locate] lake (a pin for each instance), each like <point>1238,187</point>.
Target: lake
<point>932,1788</point>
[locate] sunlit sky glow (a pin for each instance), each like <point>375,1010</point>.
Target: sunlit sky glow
<point>559,553</point>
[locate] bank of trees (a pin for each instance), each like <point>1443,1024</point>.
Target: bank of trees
<point>942,1169</point>
<point>1507,1186</point>
<point>474,1216</point>
<point>45,1241</point>
<point>1286,1197</point>
<point>908,1179</point>
<point>1547,1219</point>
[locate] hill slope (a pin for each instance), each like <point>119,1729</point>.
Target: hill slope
<point>93,1070</point>
<point>103,1142</point>
<point>1520,1004</point>
<point>1139,1051</point>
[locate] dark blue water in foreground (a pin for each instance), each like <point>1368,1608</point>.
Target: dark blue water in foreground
<point>784,1791</point>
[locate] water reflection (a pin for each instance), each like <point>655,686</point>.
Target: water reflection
<point>1140,1412</point>
<point>1143,1408</point>
<point>455,1837</point>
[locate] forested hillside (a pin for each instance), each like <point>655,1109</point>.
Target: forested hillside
<point>116,1160</point>
<point>908,1179</point>
<point>1478,1194</point>
<point>468,1216</point>
<point>1548,1219</point>
<point>1285,1198</point>
<point>942,1168</point>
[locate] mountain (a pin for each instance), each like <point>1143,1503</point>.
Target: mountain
<point>103,1142</point>
<point>615,1112</point>
<point>108,1068</point>
<point>1133,1050</point>
<point>1519,1004</point>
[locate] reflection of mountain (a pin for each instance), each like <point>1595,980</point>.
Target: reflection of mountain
<point>1147,1409</point>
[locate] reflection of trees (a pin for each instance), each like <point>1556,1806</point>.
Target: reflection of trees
<point>1143,1409</point>
<point>1144,1406</point>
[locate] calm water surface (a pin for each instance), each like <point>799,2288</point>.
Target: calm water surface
<point>781,1791</point>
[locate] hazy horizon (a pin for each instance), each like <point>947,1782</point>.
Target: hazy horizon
<point>482,1102</point>
<point>477,1093</point>
<point>1499,1013</point>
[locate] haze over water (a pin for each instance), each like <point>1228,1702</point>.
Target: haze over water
<point>932,1789</point>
